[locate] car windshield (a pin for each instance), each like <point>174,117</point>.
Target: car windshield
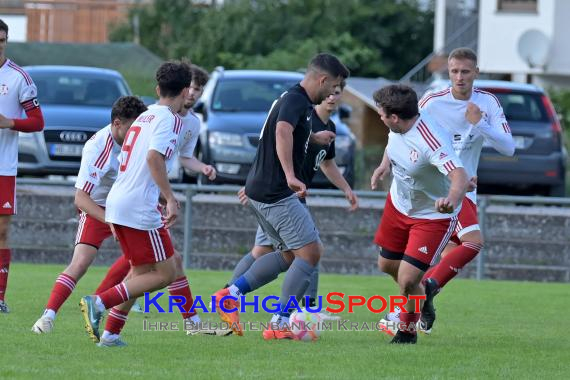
<point>78,89</point>
<point>248,95</point>
<point>521,106</point>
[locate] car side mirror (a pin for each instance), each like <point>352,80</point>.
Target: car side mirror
<point>200,107</point>
<point>344,112</point>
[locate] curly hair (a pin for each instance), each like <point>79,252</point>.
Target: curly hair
<point>199,75</point>
<point>127,108</point>
<point>172,77</point>
<point>397,99</point>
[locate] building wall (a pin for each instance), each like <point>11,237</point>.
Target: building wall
<point>365,122</point>
<point>499,33</point>
<point>17,26</point>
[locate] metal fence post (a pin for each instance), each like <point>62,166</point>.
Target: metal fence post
<point>482,209</point>
<point>188,227</point>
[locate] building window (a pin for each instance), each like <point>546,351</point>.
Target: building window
<point>517,6</point>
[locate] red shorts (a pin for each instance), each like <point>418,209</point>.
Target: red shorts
<point>144,247</point>
<point>417,241</point>
<point>91,231</point>
<point>467,220</point>
<point>8,195</point>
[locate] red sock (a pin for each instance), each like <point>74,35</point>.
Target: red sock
<point>116,321</point>
<point>181,288</point>
<point>62,289</point>
<point>116,273</point>
<point>5,257</point>
<point>408,322</point>
<point>115,296</point>
<point>454,261</point>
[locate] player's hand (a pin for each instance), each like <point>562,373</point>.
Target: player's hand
<point>379,174</point>
<point>444,206</point>
<point>243,199</point>
<point>322,137</point>
<point>472,184</point>
<point>5,122</point>
<point>352,199</point>
<point>297,186</point>
<point>112,227</point>
<point>209,172</point>
<point>473,113</point>
<point>172,207</point>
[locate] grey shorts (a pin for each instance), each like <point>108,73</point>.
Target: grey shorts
<point>286,224</point>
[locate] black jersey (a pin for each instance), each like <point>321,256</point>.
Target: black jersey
<point>266,180</point>
<point>317,153</point>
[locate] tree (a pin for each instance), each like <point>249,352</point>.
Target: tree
<point>373,37</point>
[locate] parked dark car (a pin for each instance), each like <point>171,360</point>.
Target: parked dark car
<point>76,102</point>
<point>234,107</point>
<point>539,163</point>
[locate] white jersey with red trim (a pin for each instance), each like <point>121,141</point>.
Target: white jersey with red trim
<point>421,160</point>
<point>188,139</point>
<point>18,93</point>
<point>99,165</point>
<point>467,138</point>
<point>133,199</point>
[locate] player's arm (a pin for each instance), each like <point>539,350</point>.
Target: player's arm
<point>284,147</point>
<point>496,132</point>
<point>381,171</point>
<point>332,172</point>
<point>157,167</point>
<point>34,121</point>
<point>457,189</point>
<point>192,163</point>
<point>84,202</point>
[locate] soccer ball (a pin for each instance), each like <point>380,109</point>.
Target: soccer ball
<point>305,326</point>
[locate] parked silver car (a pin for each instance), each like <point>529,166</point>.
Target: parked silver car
<point>76,102</point>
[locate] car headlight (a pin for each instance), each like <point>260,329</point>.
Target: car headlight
<point>222,138</point>
<point>342,142</point>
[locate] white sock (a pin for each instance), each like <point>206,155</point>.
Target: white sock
<point>50,314</point>
<point>99,304</point>
<point>108,336</point>
<point>234,291</point>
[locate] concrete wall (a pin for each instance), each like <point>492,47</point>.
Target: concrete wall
<point>523,243</point>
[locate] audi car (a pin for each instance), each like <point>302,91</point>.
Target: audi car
<point>76,102</point>
<point>234,107</point>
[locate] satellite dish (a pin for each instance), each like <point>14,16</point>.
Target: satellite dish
<point>534,48</point>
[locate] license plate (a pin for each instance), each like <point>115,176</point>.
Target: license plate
<point>520,142</point>
<point>66,150</point>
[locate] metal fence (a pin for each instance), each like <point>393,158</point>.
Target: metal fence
<point>483,202</point>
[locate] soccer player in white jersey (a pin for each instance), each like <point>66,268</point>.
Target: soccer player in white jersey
<point>98,171</point>
<point>472,117</point>
<point>132,205</point>
<point>18,94</point>
<point>425,197</point>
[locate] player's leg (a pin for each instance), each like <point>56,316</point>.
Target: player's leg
<point>142,248</point>
<point>470,240</point>
<point>90,235</point>
<point>427,239</point>
<point>116,273</point>
<point>262,247</point>
<point>5,258</point>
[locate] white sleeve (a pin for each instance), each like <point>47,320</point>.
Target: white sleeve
<point>95,162</point>
<point>443,157</point>
<point>495,130</point>
<point>164,136</point>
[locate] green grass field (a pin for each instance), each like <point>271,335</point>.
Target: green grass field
<point>487,329</point>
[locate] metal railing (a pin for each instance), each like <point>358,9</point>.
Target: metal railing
<point>189,191</point>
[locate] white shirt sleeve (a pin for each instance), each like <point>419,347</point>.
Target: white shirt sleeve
<point>27,92</point>
<point>164,137</point>
<point>94,164</point>
<point>444,157</point>
<point>495,130</point>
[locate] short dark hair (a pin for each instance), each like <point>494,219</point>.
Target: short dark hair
<point>463,53</point>
<point>127,108</point>
<point>173,77</point>
<point>199,75</point>
<point>397,99</point>
<point>3,26</point>
<point>342,84</point>
<point>330,64</point>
